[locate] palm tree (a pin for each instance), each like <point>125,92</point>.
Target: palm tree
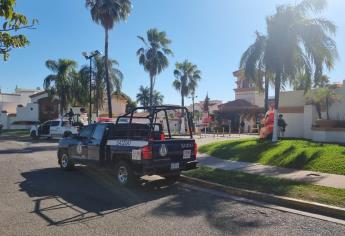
<point>153,56</point>
<point>295,43</point>
<point>99,75</point>
<point>157,98</point>
<point>252,61</point>
<point>60,83</point>
<point>143,97</point>
<point>187,76</point>
<point>108,13</point>
<point>80,87</point>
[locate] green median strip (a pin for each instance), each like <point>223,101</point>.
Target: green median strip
<point>295,154</point>
<point>16,132</point>
<point>264,184</point>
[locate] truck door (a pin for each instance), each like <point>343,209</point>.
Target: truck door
<point>96,145</point>
<point>80,149</point>
<point>44,128</point>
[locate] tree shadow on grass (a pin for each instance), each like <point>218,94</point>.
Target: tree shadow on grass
<point>302,160</point>
<point>248,153</point>
<point>279,157</point>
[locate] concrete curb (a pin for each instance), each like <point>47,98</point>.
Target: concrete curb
<point>312,207</point>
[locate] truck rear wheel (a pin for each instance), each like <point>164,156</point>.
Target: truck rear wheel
<point>124,174</point>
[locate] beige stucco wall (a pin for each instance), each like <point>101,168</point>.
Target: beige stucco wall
<point>292,99</point>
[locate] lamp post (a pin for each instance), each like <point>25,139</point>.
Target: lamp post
<point>193,99</point>
<point>89,57</point>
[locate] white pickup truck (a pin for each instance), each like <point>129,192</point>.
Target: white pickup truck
<point>53,129</point>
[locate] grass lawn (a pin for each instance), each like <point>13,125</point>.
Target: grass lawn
<point>281,187</point>
<point>14,132</point>
<point>296,154</point>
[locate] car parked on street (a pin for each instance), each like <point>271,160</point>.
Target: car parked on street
<point>132,149</point>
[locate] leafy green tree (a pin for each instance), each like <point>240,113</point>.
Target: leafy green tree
<point>12,21</point>
<point>153,56</point>
<point>60,82</point>
<point>99,75</point>
<point>143,97</point>
<point>206,105</point>
<point>187,76</point>
<point>322,97</point>
<point>130,104</point>
<point>108,13</point>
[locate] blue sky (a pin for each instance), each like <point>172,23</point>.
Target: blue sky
<point>211,33</point>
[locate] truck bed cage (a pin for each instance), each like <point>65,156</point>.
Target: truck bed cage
<point>152,116</point>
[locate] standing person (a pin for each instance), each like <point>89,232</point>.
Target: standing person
<point>242,124</point>
<point>229,127</point>
<point>281,125</point>
<point>70,115</point>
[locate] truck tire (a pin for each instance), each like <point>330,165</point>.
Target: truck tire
<point>65,161</point>
<point>172,179</point>
<point>124,174</point>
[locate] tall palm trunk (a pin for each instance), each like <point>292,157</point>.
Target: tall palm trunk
<point>96,97</point>
<point>183,120</point>
<point>107,82</point>
<point>151,91</point>
<point>266,93</point>
<point>327,108</point>
<point>61,106</point>
<point>276,106</point>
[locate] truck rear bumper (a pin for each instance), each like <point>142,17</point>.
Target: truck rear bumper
<point>164,168</point>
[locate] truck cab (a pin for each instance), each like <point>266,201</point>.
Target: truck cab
<point>144,145</point>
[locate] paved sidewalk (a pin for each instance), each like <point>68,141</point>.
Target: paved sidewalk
<point>323,179</point>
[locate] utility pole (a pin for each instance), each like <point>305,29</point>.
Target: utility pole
<point>90,57</point>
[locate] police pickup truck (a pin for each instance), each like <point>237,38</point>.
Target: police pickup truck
<point>145,145</point>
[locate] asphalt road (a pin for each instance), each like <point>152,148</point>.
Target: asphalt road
<point>37,198</point>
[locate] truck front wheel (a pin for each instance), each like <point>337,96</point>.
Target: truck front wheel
<point>65,161</point>
<point>124,174</point>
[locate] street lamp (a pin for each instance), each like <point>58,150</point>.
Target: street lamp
<point>193,99</point>
<point>89,57</point>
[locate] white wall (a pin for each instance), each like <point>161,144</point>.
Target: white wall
<point>310,115</point>
<point>295,125</point>
<point>329,136</point>
<point>28,113</point>
<point>4,120</point>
